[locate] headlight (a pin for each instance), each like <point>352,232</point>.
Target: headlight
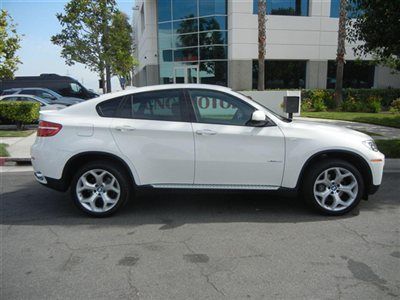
<point>371,145</point>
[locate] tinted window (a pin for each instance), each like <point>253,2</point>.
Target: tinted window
<point>220,108</point>
<point>10,99</point>
<point>285,7</point>
<point>356,74</point>
<point>108,108</point>
<point>183,9</point>
<point>352,9</point>
<point>164,10</point>
<point>8,92</point>
<point>282,74</point>
<point>211,7</point>
<point>163,106</point>
<point>40,93</point>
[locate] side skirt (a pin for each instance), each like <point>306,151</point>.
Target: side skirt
<point>217,187</point>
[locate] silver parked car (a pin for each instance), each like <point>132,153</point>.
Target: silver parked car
<point>44,103</point>
<point>43,93</point>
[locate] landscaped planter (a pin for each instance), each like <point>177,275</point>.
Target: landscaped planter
<point>273,99</point>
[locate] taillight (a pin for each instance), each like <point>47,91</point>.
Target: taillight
<point>48,128</point>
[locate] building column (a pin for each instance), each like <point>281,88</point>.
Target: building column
<point>385,77</point>
<point>240,74</point>
<point>152,75</point>
<point>316,74</point>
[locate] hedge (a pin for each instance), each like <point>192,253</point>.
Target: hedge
<point>19,112</point>
<point>353,99</point>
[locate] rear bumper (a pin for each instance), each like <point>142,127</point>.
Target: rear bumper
<point>55,184</point>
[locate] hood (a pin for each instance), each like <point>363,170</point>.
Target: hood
<point>317,128</point>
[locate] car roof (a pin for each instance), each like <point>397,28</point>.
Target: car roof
<point>161,87</point>
<point>28,88</point>
<point>24,95</point>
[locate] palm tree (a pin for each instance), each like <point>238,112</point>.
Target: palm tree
<point>341,52</point>
<point>262,11</point>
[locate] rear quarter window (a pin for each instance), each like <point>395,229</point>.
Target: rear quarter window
<point>109,108</point>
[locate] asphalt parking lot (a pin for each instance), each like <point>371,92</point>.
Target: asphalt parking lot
<point>197,246</point>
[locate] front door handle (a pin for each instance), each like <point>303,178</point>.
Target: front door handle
<point>124,128</point>
<point>206,132</point>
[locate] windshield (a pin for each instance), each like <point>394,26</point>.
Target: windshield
<point>287,120</point>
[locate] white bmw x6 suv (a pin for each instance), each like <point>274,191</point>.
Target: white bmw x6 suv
<point>198,137</point>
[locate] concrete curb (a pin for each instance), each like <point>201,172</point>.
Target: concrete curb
<point>4,161</point>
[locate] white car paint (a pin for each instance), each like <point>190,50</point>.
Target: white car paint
<point>174,154</point>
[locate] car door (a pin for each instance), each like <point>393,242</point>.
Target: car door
<point>153,131</point>
<point>228,151</point>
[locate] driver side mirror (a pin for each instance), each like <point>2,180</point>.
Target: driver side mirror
<point>258,119</point>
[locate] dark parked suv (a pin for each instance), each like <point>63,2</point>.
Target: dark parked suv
<point>63,85</point>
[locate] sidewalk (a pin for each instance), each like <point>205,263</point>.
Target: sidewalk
<point>18,148</point>
<point>384,132</point>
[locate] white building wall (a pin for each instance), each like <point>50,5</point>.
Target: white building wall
<point>312,38</point>
<point>288,37</point>
<point>147,49</point>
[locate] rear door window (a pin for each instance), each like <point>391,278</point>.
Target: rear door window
<point>165,105</point>
<point>109,108</point>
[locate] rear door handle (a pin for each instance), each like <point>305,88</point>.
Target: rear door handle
<point>206,132</point>
<point>124,128</point>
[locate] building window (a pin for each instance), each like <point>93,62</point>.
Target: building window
<point>352,11</point>
<point>284,7</point>
<point>184,9</point>
<point>214,72</point>
<point>282,74</point>
<point>356,74</point>
<point>193,33</point>
<point>142,19</point>
<point>164,10</point>
<point>213,7</point>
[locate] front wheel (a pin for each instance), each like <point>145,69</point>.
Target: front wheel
<point>100,188</point>
<point>333,187</point>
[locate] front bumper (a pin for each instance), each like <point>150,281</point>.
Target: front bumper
<point>372,189</point>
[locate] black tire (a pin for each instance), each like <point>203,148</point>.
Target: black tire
<point>313,173</point>
<point>120,174</point>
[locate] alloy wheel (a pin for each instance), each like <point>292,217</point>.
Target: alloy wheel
<point>335,189</point>
<point>98,190</point>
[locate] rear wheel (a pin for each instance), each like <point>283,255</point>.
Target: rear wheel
<point>100,188</point>
<point>333,187</point>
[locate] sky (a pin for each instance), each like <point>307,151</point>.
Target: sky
<point>36,21</point>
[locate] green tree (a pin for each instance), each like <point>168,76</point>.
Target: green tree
<point>120,52</point>
<point>377,24</point>
<point>9,44</point>
<point>84,37</point>
<point>341,52</point>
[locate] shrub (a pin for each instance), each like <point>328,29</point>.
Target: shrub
<point>322,97</point>
<point>306,105</point>
<point>350,104</point>
<point>319,105</point>
<point>361,96</point>
<point>19,112</point>
<point>395,106</point>
<point>373,104</point>
<point>386,95</point>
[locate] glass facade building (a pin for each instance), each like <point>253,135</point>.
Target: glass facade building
<point>284,7</point>
<point>216,42</point>
<point>192,41</point>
